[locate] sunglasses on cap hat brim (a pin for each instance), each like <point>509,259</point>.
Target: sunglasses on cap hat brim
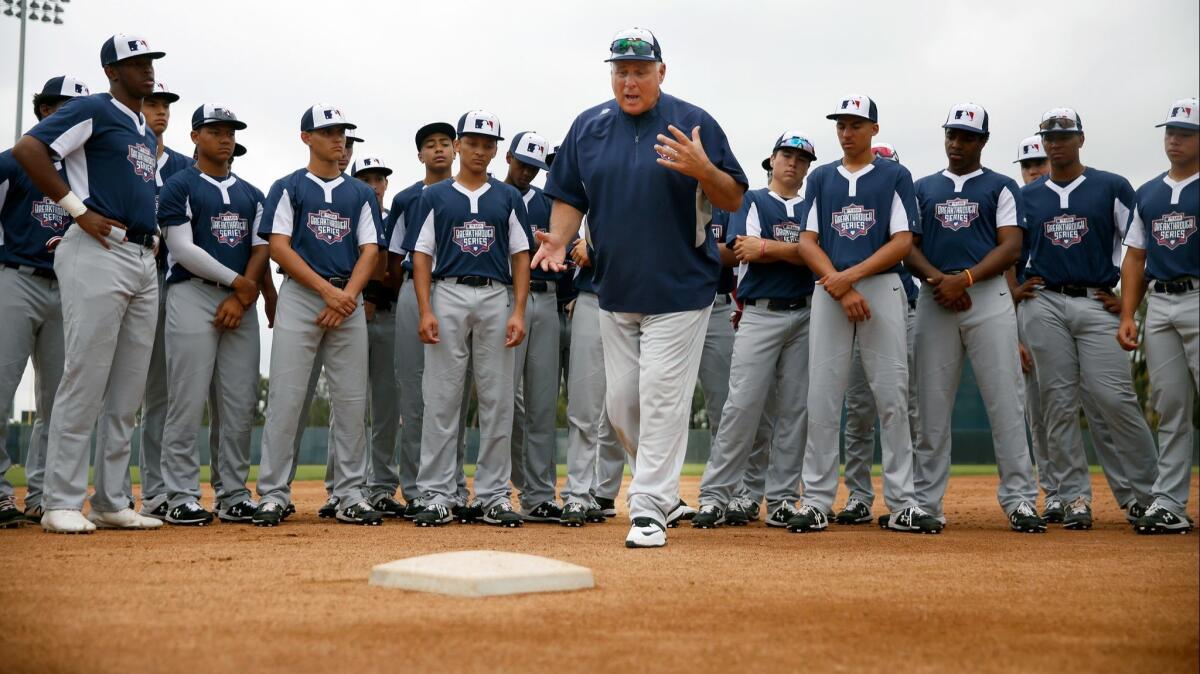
<point>1059,124</point>
<point>632,49</point>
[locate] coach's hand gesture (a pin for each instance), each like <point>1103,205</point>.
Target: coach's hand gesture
<point>683,154</point>
<point>551,254</point>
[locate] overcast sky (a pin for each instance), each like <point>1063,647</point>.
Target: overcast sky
<point>757,67</point>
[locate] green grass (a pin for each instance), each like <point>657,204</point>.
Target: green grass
<point>16,474</point>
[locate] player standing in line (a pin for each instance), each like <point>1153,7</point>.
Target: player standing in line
<point>105,268</point>
<point>770,350</point>
<point>470,242</point>
<point>967,235</point>
<point>1164,254</point>
<point>323,228</point>
<point>1034,164</point>
<point>435,151</point>
<point>209,218</point>
<point>535,410</point>
<point>30,226</point>
<point>1077,217</point>
<point>856,221</point>
<point>656,297</point>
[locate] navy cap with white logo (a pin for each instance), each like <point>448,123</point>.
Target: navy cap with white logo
<point>121,46</point>
<point>213,113</point>
<point>634,44</point>
<point>354,137</point>
<point>796,141</point>
<point>855,105</point>
<point>1030,148</point>
<point>1184,114</point>
<point>529,148</point>
<point>64,86</point>
<point>432,128</point>
<point>550,155</point>
<point>1060,120</point>
<point>369,164</point>
<point>239,149</point>
<point>968,117</point>
<point>320,116</point>
<point>161,91</point>
<point>480,123</point>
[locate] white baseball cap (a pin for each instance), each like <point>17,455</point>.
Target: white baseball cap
<point>530,148</point>
<point>968,117</point>
<point>634,44</point>
<point>856,105</point>
<point>1060,120</point>
<point>1184,114</point>
<point>64,86</point>
<point>480,123</point>
<point>321,115</point>
<point>161,91</point>
<point>1030,148</point>
<point>121,46</point>
<point>369,164</point>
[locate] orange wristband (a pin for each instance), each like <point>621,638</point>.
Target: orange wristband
<point>970,278</point>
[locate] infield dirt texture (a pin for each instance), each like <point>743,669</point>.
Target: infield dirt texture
<point>233,598</point>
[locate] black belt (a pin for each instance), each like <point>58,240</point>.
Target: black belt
<point>1174,287</point>
<point>143,240</point>
<point>473,281</point>
<point>1075,290</point>
<point>335,281</point>
<point>32,271</point>
<point>780,305</point>
<point>540,286</point>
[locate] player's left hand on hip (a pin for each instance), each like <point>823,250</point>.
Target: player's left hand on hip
<point>1112,303</point>
<point>683,154</point>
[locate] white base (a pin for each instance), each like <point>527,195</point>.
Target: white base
<point>482,573</point>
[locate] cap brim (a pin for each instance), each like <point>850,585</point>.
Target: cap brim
<point>483,135</point>
<point>345,125</point>
<point>237,125</point>
<point>964,127</point>
<point>532,162</point>
<point>835,115</point>
<point>152,55</point>
<point>1018,161</point>
<point>430,129</point>
<point>766,163</point>
<point>356,139</point>
<point>168,97</point>
<point>631,57</point>
<point>239,149</point>
<point>1042,133</point>
<point>377,169</point>
<point>1179,125</point>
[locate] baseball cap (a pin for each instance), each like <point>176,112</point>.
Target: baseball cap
<point>968,117</point>
<point>239,149</point>
<point>354,137</point>
<point>1184,114</point>
<point>634,44</point>
<point>886,151</point>
<point>369,164</point>
<point>121,46</point>
<point>856,106</point>
<point>550,155</point>
<point>1030,148</point>
<point>480,123</point>
<point>320,116</point>
<point>213,113</point>
<point>64,86</point>
<point>432,128</point>
<point>794,140</point>
<point>161,91</point>
<point>1060,120</point>
<point>529,148</point>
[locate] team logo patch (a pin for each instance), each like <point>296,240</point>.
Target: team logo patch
<point>1032,147</point>
<point>718,231</point>
<point>144,164</point>
<point>853,221</point>
<point>1173,230</point>
<point>50,215</point>
<point>1065,230</point>
<point>328,226</point>
<point>475,237</point>
<point>787,232</point>
<point>229,228</point>
<point>956,214</point>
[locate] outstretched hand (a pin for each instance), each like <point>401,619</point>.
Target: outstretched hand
<point>683,154</point>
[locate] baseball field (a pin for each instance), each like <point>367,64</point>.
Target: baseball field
<point>230,598</point>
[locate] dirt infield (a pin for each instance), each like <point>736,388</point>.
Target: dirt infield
<point>233,598</point>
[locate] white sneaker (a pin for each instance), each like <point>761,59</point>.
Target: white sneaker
<point>123,519</point>
<point>66,522</point>
<point>646,533</point>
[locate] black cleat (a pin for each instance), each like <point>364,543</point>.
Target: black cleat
<point>738,513</point>
<point>1159,520</point>
<point>912,520</point>
<point>855,512</point>
<point>467,514</point>
<point>680,512</point>
<point>808,519</point>
<point>330,509</point>
<point>710,517</point>
<point>607,506</point>
<point>1134,511</point>
<point>360,513</point>
<point>1054,512</point>
<point>238,512</point>
<point>413,508</point>
<point>545,512</point>
<point>33,514</point>
<point>780,516</point>
<point>289,510</point>
<point>502,515</point>
<point>269,514</point>
<point>433,516</point>
<point>158,513</point>
<point>575,515</point>
<point>189,514</point>
<point>595,514</point>
<point>1079,515</point>
<point>388,507</point>
<point>1025,520</point>
<point>10,516</point>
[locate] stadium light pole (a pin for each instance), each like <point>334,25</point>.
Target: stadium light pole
<point>27,10</point>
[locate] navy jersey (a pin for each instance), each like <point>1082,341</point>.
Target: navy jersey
<point>1164,225</point>
<point>911,289</point>
<point>470,233</point>
<point>404,207</point>
<point>537,206</point>
<point>959,216</point>
<point>109,156</point>
<point>327,219</point>
<point>719,224</point>
<point>767,215</point>
<point>28,218</point>
<point>1076,229</point>
<point>224,215</point>
<point>170,163</point>
<point>855,215</point>
<point>654,254</point>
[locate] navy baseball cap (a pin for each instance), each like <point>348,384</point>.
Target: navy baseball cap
<point>432,128</point>
<point>634,44</point>
<point>212,113</point>
<point>530,148</point>
<point>121,46</point>
<point>1184,114</point>
<point>794,140</point>
<point>161,91</point>
<point>550,155</point>
<point>967,117</point>
<point>855,105</point>
<point>480,123</point>
<point>239,149</point>
<point>354,137</point>
<point>1060,120</point>
<point>64,86</point>
<point>369,164</point>
<point>1030,148</point>
<point>321,116</point>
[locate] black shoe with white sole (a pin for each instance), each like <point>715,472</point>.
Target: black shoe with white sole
<point>289,510</point>
<point>679,513</point>
<point>10,515</point>
<point>238,512</point>
<point>595,513</point>
<point>1159,520</point>
<point>574,515</point>
<point>547,512</point>
<point>269,514</point>
<point>434,515</point>
<point>189,514</point>
<point>607,506</point>
<point>502,515</point>
<point>737,514</point>
<point>467,514</point>
<point>1025,519</point>
<point>1134,511</point>
<point>808,519</point>
<point>159,512</point>
<point>413,508</point>
<point>388,507</point>
<point>1079,515</point>
<point>33,514</point>
<point>1054,512</point>
<point>330,509</point>
<point>360,513</point>
<point>710,516</point>
<point>912,520</point>
<point>855,512</point>
<point>780,516</point>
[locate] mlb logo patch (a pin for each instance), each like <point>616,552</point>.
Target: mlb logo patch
<point>474,237</point>
<point>534,148</point>
<point>853,221</point>
<point>78,88</point>
<point>328,226</point>
<point>481,123</point>
<point>137,45</point>
<point>956,214</point>
<point>1173,230</point>
<point>1181,111</point>
<point>1032,147</point>
<point>1065,230</point>
<point>787,232</point>
<point>143,161</point>
<point>969,114</point>
<point>50,215</point>
<point>229,228</point>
